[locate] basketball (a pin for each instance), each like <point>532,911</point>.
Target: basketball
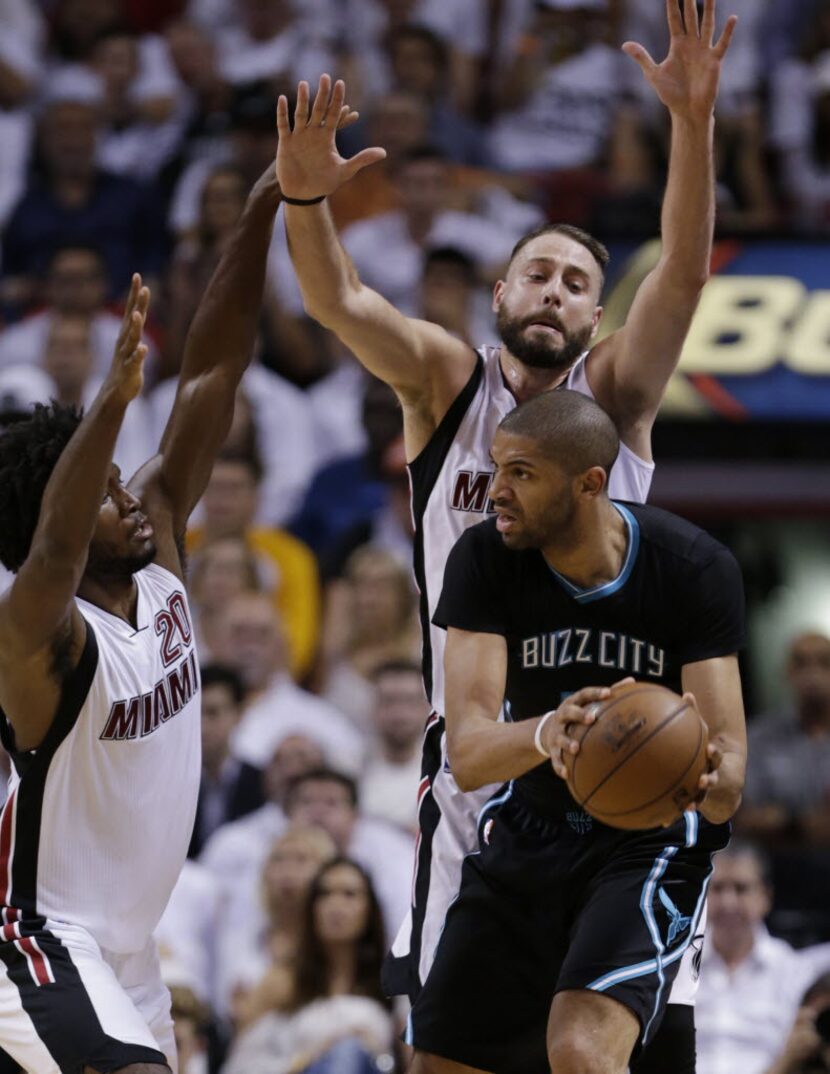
<point>639,763</point>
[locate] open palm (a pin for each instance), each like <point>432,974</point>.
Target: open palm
<point>687,80</point>
<point>308,162</point>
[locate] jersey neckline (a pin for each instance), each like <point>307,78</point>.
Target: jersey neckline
<point>598,592</point>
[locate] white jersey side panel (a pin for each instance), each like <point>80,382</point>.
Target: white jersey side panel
<point>100,816</point>
<point>456,496</point>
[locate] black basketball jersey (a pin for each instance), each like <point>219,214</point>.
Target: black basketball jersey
<point>677,599</point>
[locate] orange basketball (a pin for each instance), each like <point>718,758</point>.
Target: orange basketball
<point>639,763</point>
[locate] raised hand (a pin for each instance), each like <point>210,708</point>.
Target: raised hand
<point>687,80</point>
<point>308,162</point>
<point>126,374</point>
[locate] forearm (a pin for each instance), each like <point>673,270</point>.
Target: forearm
<point>688,215</point>
<point>324,270</point>
<point>74,492</point>
<point>482,751</point>
<point>224,328</point>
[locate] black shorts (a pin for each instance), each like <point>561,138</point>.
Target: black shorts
<point>548,905</point>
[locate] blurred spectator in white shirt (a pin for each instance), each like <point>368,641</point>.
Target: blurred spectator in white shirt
<point>276,706</point>
<point>75,286</point>
<point>462,24</point>
<point>561,90</point>
<point>750,983</point>
<point>388,249</point>
<point>188,927</point>
<point>270,40</point>
<point>389,784</point>
<point>807,1050</point>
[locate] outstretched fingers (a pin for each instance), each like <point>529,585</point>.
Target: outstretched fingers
<point>674,18</point>
<point>707,24</point>
<point>690,18</point>
<point>283,121</point>
<point>641,56</point>
<point>363,159</point>
<point>301,107</point>
<point>726,37</point>
<point>321,102</point>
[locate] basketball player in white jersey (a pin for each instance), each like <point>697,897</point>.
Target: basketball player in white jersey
<point>453,398</point>
<point>99,688</point>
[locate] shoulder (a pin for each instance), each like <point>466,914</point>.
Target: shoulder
<point>676,539</point>
<point>483,542</point>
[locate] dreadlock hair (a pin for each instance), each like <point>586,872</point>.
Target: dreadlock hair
<point>29,450</point>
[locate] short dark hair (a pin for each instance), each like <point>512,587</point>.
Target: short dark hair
<point>572,429</point>
<point>223,675</point>
<point>451,255</point>
<point>248,457</point>
<point>67,246</point>
<point>395,667</point>
<point>428,37</point>
<point>29,451</point>
<point>320,775</point>
<point>595,248</point>
<point>745,848</point>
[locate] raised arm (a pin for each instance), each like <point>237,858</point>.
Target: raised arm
<point>218,350</point>
<point>39,604</point>
<point>480,749</point>
<point>629,370</point>
<point>425,365</point>
<point>716,686</point>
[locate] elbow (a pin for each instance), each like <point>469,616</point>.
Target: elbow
<point>462,766</point>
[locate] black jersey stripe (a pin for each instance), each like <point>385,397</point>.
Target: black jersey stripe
<point>423,474</point>
<point>33,767</point>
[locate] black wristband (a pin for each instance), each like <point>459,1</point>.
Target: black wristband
<point>303,201</point>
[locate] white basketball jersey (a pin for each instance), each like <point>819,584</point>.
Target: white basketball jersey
<point>98,820</point>
<point>452,476</point>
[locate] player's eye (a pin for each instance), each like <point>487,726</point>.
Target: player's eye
<point>536,277</point>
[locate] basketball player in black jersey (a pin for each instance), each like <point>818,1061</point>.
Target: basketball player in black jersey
<point>566,930</point>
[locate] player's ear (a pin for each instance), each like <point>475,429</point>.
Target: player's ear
<point>592,482</point>
<point>498,294</point>
<point>595,321</point>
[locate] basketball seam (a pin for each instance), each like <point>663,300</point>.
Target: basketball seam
<point>668,719</point>
<point>644,689</point>
<point>668,790</point>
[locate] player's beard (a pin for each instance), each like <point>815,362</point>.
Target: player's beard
<point>539,352</point>
<point>105,567</point>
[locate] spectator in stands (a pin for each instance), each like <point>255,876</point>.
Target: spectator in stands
<point>190,1022</point>
<point>349,492</point>
<point>800,125</point>
<point>271,39</point>
<point>187,933</point>
<point>75,286</point>
<point>240,846</point>
<point>787,793</point>
<point>286,569</point>
<point>750,982</point>
<point>389,784</point>
<point>328,799</point>
<point>370,619</point>
<point>76,26</point>
<point>452,297</point>
<point>141,128</point>
<point>218,572</point>
<point>807,1050</point>
<point>328,1014</point>
<point>230,788</point>
<point>461,25</point>
<point>73,200</point>
<point>271,936</point>
<point>420,63</point>
<point>561,91</point>
<point>275,705</point>
<point>388,249</point>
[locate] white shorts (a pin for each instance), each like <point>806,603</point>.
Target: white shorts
<point>65,1003</point>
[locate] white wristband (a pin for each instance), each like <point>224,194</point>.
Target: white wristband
<point>537,738</point>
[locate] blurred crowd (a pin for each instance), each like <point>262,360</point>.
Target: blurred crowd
<point>130,134</point>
